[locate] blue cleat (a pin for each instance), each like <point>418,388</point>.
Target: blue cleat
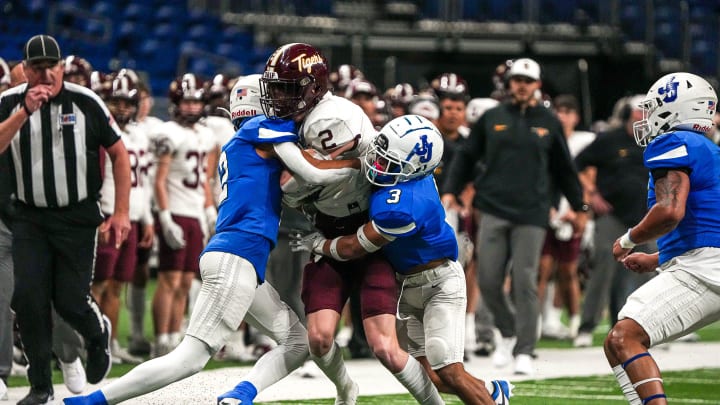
<point>95,398</point>
<point>243,394</point>
<point>502,392</point>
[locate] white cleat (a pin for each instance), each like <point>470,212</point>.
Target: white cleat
<point>74,376</point>
<point>524,364</point>
<point>350,398</point>
<point>503,392</point>
<point>502,356</point>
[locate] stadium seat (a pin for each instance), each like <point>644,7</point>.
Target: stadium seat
<point>668,39</point>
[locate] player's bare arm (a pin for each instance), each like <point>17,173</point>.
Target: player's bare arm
<point>119,222</point>
<point>366,240</point>
<point>671,192</point>
<point>642,262</point>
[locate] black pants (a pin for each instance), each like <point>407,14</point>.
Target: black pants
<point>53,266</point>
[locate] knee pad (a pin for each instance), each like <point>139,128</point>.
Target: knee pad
<point>436,351</point>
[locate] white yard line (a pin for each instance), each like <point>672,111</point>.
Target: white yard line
<point>374,379</point>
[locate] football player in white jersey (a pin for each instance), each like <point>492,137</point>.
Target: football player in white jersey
<point>184,203</point>
<point>115,267</point>
<point>295,85</point>
<point>138,345</point>
<point>217,119</point>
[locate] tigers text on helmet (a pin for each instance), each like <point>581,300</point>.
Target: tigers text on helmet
<point>294,81</point>
<point>187,87</point>
<point>406,148</point>
<point>245,99</point>
<point>678,101</point>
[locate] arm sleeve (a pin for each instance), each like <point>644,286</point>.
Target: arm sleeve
<point>293,159</point>
<point>460,168</point>
<point>563,171</point>
<point>105,126</point>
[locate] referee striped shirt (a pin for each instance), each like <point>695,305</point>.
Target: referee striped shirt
<point>56,154</point>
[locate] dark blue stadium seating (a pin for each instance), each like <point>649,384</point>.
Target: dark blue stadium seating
<point>150,35</point>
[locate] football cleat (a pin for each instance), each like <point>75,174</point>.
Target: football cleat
<point>243,393</point>
<point>502,392</point>
<point>95,398</point>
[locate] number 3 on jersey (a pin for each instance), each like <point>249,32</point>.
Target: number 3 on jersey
<point>223,175</point>
<point>394,196</point>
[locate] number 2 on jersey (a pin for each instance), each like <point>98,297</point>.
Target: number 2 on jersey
<point>223,175</point>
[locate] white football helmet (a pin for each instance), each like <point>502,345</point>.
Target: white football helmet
<point>406,148</point>
<point>245,99</point>
<point>679,100</point>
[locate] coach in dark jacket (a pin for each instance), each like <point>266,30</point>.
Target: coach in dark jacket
<point>522,150</point>
<point>53,131</point>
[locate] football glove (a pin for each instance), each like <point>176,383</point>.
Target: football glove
<point>172,232</point>
<point>312,242</point>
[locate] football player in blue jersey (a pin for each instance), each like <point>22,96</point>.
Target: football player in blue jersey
<point>408,224</point>
<point>684,217</point>
<point>233,262</point>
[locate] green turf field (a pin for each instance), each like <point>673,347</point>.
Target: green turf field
<point>685,387</point>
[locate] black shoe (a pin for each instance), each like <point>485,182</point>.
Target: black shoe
<point>37,397</point>
<point>99,360</point>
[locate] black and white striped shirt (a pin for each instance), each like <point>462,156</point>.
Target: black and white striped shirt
<point>56,154</point>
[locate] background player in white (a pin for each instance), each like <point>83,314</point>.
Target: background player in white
<point>115,267</point>
<point>233,265</point>
<point>684,216</point>
<point>138,345</point>
<point>295,85</point>
<point>184,201</point>
<point>408,224</point>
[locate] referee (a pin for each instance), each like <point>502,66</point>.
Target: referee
<point>54,131</point>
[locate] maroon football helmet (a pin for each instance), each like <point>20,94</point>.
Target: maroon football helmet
<point>4,75</point>
<point>295,79</point>
<point>341,78</point>
<point>78,70</point>
<point>450,85</point>
<point>124,86</point>
<point>217,94</point>
<point>186,87</point>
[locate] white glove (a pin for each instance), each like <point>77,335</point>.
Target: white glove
<point>211,218</point>
<point>172,232</point>
<point>312,242</point>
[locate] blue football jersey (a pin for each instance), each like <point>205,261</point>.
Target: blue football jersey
<point>701,225</point>
<point>411,212</point>
<point>249,210</point>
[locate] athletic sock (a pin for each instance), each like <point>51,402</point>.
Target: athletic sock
<point>418,383</point>
<point>136,307</point>
<point>626,385</point>
<point>333,366</point>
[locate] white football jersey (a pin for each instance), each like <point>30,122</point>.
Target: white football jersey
<point>137,144</point>
<point>186,178</point>
<point>336,123</point>
<point>222,129</point>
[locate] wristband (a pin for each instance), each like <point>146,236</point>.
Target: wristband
<point>25,107</point>
<point>165,217</point>
<point>625,241</point>
<point>333,250</point>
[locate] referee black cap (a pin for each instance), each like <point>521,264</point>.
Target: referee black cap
<point>42,48</point>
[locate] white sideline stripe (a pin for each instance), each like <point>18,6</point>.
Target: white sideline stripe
<point>375,380</point>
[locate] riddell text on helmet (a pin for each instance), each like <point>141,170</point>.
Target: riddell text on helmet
<point>244,113</point>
